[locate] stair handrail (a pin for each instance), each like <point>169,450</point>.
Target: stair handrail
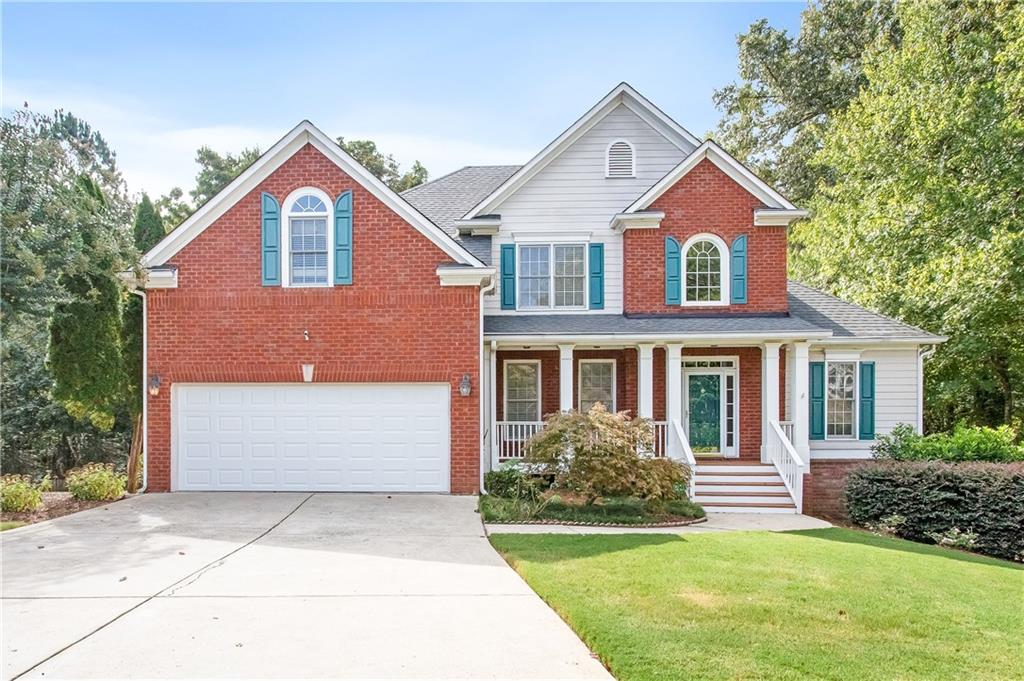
<point>684,453</point>
<point>791,467</point>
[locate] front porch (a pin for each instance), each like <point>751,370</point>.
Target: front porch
<point>727,411</point>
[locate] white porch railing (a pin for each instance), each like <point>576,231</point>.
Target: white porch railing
<point>660,438</point>
<point>791,467</point>
<point>511,437</point>
<point>679,448</point>
<point>787,429</point>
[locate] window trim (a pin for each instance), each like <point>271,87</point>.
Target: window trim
<point>286,232</point>
<point>579,381</point>
<point>504,388</point>
<point>632,160</point>
<point>855,426</point>
<point>723,251</point>
<point>734,370</point>
<point>550,245</point>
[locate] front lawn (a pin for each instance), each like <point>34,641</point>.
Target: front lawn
<point>834,604</point>
<point>610,511</point>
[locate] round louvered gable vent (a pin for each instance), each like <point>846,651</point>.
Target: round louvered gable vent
<point>620,159</point>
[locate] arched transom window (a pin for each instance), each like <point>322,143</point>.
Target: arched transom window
<point>705,271</point>
<point>308,238</point>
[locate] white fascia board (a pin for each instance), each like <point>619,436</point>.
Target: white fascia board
<point>642,220</point>
<point>777,217</point>
<point>632,338</point>
<point>305,132</point>
<point>878,342</point>
<point>464,276</point>
<point>478,226</point>
<point>727,164</point>
<point>621,94</point>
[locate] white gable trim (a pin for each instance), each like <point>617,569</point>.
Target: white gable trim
<point>305,132</point>
<point>622,94</point>
<point>729,165</point>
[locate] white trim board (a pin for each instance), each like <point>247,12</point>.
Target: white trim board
<point>623,94</point>
<point>727,164</point>
<point>302,134</point>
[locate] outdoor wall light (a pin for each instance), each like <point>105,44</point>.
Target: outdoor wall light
<point>465,386</point>
<point>307,373</point>
<point>154,385</point>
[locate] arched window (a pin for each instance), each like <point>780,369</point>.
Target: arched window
<point>307,232</point>
<point>705,271</point>
<point>620,159</point>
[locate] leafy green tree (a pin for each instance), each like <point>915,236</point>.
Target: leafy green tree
<point>149,226</point>
<point>216,171</point>
<point>173,209</point>
<point>776,117</point>
<point>149,230</point>
<point>384,166</point>
<point>925,219</point>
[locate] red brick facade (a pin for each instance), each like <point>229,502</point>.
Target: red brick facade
<point>824,486</point>
<point>705,200</point>
<point>395,323</point>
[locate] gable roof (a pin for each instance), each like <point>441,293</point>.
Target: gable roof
<point>847,320</point>
<point>724,161</point>
<point>623,94</point>
<point>302,134</point>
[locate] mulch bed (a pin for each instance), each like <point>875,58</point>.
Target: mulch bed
<point>679,522</point>
<point>55,504</point>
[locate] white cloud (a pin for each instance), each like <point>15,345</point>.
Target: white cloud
<point>155,153</point>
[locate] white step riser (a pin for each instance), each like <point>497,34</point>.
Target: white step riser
<point>736,479</point>
<point>741,489</point>
<point>746,509</point>
<point>740,499</point>
<point>761,470</point>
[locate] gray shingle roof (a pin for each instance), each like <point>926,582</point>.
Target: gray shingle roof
<point>451,196</point>
<point>616,324</point>
<point>846,319</point>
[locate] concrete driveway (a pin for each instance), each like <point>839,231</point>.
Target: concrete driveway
<point>254,585</point>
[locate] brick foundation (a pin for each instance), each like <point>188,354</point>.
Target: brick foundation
<point>824,486</point>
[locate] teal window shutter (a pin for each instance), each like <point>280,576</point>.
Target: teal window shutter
<point>817,400</point>
<point>673,273</point>
<point>867,401</point>
<point>271,236</point>
<point>738,270</point>
<point>343,239</point>
<point>508,276</point>
<point>596,276</point>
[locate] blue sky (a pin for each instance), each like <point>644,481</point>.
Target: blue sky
<point>450,85</point>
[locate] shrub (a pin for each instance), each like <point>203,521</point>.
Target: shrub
<point>980,505</point>
<point>598,454</point>
<point>95,482</point>
<point>511,482</point>
<point>18,494</point>
<point>965,443</point>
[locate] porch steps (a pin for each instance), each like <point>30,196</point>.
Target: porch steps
<point>741,487</point>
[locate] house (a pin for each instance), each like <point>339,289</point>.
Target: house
<point>310,329</point>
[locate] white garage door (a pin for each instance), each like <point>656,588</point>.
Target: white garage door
<point>369,437</point>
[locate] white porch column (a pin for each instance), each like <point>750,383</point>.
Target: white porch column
<point>673,383</point>
<point>492,381</point>
<point>645,380</point>
<point>769,390</point>
<point>565,376</point>
<point>801,414</point>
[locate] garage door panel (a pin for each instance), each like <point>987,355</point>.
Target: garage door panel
<point>344,437</point>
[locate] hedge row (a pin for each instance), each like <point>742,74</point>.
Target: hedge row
<point>938,502</point>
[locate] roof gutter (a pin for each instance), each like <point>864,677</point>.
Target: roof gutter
<point>631,338</point>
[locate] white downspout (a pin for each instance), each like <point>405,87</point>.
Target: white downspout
<point>145,392</point>
<point>480,372</point>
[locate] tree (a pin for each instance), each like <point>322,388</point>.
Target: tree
<point>775,118</point>
<point>215,172</point>
<point>924,219</point>
<point>149,226</point>
<point>149,230</point>
<point>384,166</point>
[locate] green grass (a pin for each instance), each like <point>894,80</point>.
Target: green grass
<point>10,524</point>
<point>613,511</point>
<point>828,604</point>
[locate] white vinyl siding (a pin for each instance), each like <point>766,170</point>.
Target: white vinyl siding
<point>572,195</point>
<point>896,400</point>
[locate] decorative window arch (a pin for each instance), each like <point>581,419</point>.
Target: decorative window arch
<point>705,271</point>
<point>620,159</point>
<point>307,231</point>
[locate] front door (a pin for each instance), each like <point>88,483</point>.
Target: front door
<point>710,389</point>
